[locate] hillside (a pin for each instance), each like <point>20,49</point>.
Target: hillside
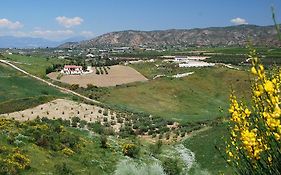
<point>213,36</point>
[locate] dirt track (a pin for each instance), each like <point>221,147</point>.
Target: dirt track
<point>50,84</point>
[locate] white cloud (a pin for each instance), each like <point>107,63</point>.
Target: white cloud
<point>69,22</point>
<point>87,34</point>
<point>5,23</point>
<point>238,21</point>
<point>52,34</point>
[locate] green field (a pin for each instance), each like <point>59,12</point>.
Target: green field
<point>197,97</point>
<point>18,91</point>
<point>206,147</point>
<point>34,65</point>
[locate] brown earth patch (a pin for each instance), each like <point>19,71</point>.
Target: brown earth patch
<point>117,75</point>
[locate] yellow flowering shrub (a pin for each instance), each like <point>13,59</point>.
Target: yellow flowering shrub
<point>12,161</point>
<point>67,151</point>
<point>130,149</point>
<point>254,146</point>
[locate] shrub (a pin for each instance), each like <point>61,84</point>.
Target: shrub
<point>130,149</point>
<point>109,131</point>
<point>96,127</point>
<point>171,166</point>
<point>101,71</point>
<point>256,130</point>
<point>156,148</point>
<point>120,120</point>
<point>126,132</point>
<point>97,71</point>
<point>105,112</point>
<point>63,169</point>
<point>82,123</point>
<point>106,124</point>
<point>91,87</point>
<point>13,162</point>
<point>103,141</point>
<point>74,87</point>
<point>67,151</point>
<point>113,122</point>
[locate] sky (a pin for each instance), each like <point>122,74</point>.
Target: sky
<point>61,19</point>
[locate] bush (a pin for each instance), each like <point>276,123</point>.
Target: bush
<point>103,141</point>
<point>171,166</point>
<point>74,87</point>
<point>82,123</point>
<point>256,130</point>
<point>63,169</point>
<point>49,69</point>
<point>156,148</point>
<point>96,127</point>
<point>130,149</point>
<point>105,112</point>
<point>13,161</point>
<point>120,120</point>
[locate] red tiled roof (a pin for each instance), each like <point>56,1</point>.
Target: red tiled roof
<point>72,66</point>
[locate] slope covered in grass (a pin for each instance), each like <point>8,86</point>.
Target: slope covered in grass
<point>206,147</point>
<point>32,64</point>
<point>197,97</point>
<point>18,91</point>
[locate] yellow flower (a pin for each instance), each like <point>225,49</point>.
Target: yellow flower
<point>273,123</point>
<point>257,93</point>
<point>247,112</point>
<point>269,86</point>
<point>254,71</point>
<point>277,136</point>
<point>230,154</point>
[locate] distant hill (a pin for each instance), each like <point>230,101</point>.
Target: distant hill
<point>25,42</point>
<point>68,45</point>
<point>212,36</point>
<point>29,42</point>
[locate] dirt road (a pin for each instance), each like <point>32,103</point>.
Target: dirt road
<point>50,84</point>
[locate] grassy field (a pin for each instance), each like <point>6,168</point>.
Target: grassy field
<point>34,65</point>
<point>18,91</point>
<point>197,97</point>
<point>208,157</point>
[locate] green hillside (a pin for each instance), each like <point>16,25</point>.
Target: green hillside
<point>198,97</point>
<point>17,91</point>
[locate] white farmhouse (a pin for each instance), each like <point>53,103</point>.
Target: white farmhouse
<point>72,70</point>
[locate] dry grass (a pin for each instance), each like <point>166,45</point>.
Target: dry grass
<point>64,109</point>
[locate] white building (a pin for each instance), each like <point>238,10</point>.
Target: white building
<point>90,55</point>
<point>72,70</point>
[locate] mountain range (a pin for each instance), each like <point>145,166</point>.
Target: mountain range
<point>213,36</point>
<point>29,42</point>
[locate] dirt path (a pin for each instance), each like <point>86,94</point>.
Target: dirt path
<point>193,133</point>
<point>50,84</point>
